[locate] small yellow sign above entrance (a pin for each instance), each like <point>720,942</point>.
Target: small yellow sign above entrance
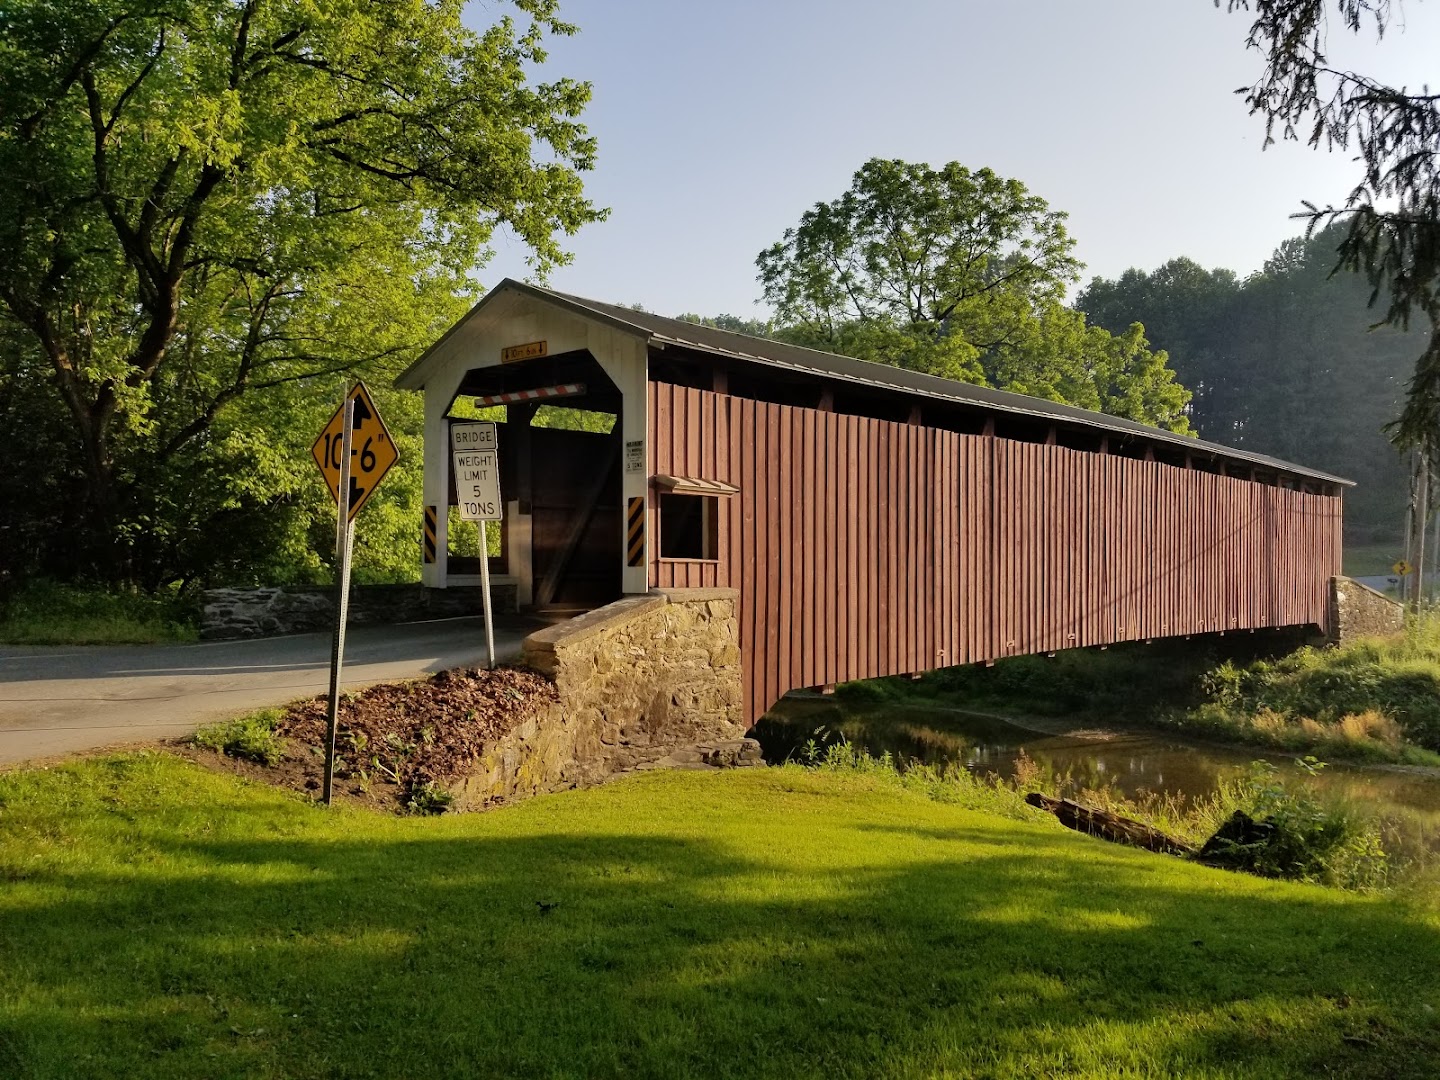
<point>372,451</point>
<point>531,349</point>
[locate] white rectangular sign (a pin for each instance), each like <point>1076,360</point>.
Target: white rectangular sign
<point>477,485</point>
<point>473,435</point>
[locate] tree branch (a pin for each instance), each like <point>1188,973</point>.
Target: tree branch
<point>31,124</point>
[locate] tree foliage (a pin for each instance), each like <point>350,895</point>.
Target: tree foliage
<point>1392,215</point>
<point>736,324</point>
<point>216,210</point>
<point>1185,310</point>
<point>960,274</point>
<point>920,248</point>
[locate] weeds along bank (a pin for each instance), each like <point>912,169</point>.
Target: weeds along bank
<point>1373,699</point>
<point>1299,837</point>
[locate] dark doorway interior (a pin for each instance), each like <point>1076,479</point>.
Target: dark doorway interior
<point>576,519</point>
<point>568,481</point>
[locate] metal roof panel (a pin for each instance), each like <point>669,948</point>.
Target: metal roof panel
<point>679,334</point>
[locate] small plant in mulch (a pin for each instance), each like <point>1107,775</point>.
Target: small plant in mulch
<point>426,798</point>
<point>398,745</point>
<point>252,737</point>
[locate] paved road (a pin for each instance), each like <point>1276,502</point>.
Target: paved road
<point>1385,584</point>
<point>58,700</point>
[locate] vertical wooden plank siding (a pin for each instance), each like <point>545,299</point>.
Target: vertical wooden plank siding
<point>863,548</point>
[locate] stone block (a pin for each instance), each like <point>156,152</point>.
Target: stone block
<point>234,613</point>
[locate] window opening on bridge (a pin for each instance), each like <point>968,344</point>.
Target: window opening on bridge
<point>464,408</point>
<point>689,526</point>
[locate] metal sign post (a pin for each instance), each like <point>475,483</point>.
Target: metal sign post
<point>485,593</point>
<point>475,455</point>
<point>344,536</point>
<point>351,473</point>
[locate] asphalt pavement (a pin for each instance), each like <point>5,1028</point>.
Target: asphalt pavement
<point>59,700</point>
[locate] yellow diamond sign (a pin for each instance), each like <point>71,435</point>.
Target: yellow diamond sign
<point>1402,568</point>
<point>372,451</point>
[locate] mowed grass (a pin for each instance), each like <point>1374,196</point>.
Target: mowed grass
<point>160,920</point>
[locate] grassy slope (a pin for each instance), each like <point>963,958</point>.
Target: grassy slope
<point>158,920</point>
<point>1372,560</point>
<point>45,613</point>
<point>1234,690</point>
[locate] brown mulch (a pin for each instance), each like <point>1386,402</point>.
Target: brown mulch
<point>396,738</point>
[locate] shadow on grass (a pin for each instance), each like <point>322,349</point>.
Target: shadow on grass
<point>620,955</point>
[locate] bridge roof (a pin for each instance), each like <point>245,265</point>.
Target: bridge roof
<point>662,331</point>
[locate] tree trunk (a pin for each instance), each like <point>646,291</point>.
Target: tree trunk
<point>1422,514</point>
<point>99,549</point>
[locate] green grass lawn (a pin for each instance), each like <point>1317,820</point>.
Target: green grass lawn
<point>160,920</point>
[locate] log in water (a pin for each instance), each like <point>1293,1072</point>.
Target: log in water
<point>1108,826</point>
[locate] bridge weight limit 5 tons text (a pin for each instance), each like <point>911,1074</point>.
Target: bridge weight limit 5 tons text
<point>475,457</point>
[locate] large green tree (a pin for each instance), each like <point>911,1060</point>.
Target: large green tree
<point>960,274</point>
<point>214,209</point>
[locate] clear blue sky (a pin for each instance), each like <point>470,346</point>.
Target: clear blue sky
<point>720,123</point>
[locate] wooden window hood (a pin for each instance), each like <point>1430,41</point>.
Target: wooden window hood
<point>690,485</point>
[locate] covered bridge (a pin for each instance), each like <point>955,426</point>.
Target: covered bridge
<point>875,521</point>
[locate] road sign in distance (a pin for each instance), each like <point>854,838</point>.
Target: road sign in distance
<point>372,451</point>
<point>1402,568</point>
<point>477,485</point>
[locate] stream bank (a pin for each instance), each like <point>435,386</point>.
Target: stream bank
<point>1135,763</point>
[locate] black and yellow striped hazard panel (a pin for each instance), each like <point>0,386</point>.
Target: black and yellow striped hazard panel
<point>429,534</point>
<point>635,533</point>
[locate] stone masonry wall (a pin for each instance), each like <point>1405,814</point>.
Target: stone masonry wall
<point>638,680</point>
<point>295,609</point>
<point>1359,611</point>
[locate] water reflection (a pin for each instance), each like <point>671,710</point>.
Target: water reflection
<point>1133,762</point>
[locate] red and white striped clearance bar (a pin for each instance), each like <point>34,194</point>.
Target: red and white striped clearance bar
<point>573,389</point>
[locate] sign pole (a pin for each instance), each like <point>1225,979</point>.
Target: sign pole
<point>344,540</point>
<point>485,592</point>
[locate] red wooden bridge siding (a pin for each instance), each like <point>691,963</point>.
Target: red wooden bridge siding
<point>864,548</point>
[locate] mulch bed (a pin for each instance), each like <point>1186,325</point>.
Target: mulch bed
<point>394,739</point>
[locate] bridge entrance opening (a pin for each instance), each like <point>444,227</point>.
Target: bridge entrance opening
<point>560,443</point>
<point>575,517</point>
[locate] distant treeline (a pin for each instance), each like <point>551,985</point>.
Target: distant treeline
<point>1282,362</point>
